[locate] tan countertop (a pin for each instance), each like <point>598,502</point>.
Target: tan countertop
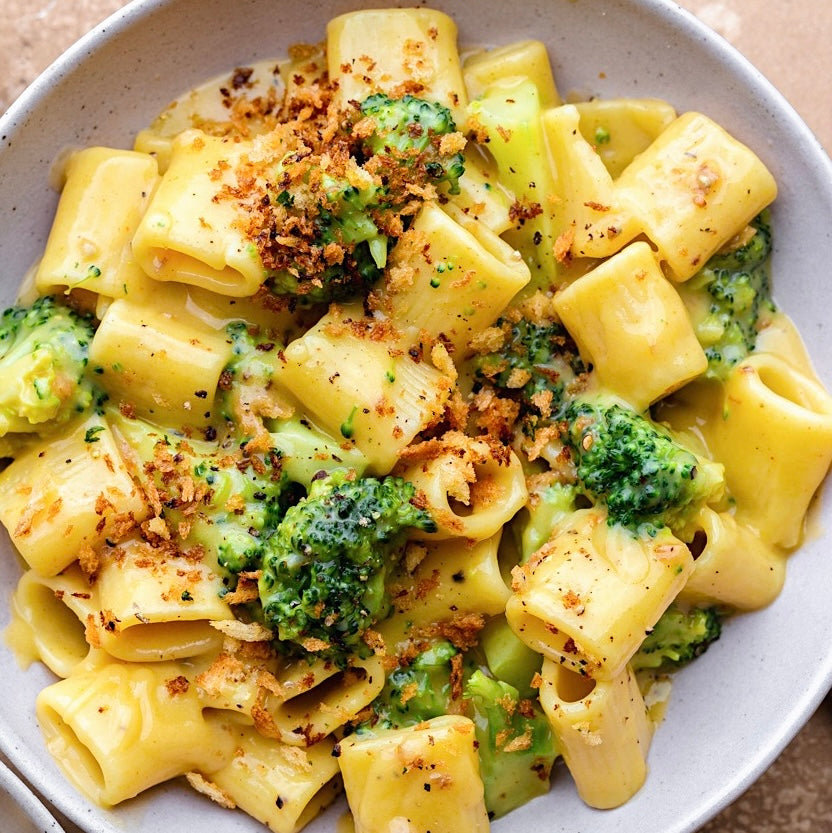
<point>794,794</point>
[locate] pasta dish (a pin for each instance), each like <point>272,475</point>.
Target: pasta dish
<point>383,423</point>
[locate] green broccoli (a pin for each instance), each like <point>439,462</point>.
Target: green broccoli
<point>44,351</point>
<point>339,251</point>
<point>678,637</point>
<point>514,743</point>
<point>324,572</point>
<point>409,130</point>
<point>536,364</point>
<point>249,371</point>
<point>332,209</point>
<point>643,475</point>
<point>417,692</point>
<point>509,658</point>
<point>212,494</point>
<point>245,503</point>
<point>730,297</point>
<point>246,393</point>
<point>535,357</point>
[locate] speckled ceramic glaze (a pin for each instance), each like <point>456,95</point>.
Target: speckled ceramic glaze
<point>736,707</point>
<point>20,810</point>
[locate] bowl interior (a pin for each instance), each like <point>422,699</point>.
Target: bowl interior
<point>736,707</point>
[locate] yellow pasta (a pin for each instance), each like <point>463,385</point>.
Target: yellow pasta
<point>774,438</point>
<point>187,235</point>
<point>68,496</point>
<point>416,48</point>
<point>282,786</point>
<point>456,277</point>
<point>154,608</point>
<point>693,189</point>
<point>603,729</point>
<point>595,220</point>
<point>631,325</point>
<point>318,700</point>
<point>526,59</point>
<point>622,128</point>
<point>587,597</point>
<point>49,617</point>
<point>385,778</point>
<point>377,401</point>
<point>472,489</point>
<point>160,360</point>
<point>292,701</point>
<point>104,197</point>
<point>481,197</point>
<point>110,729</point>
<point>416,406</point>
<point>734,566</point>
<point>454,579</point>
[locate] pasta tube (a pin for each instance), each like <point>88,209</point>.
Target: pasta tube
<point>424,777</point>
<point>586,598</point>
<point>603,731</point>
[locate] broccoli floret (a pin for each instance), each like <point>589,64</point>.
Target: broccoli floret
<point>323,580</point>
<point>339,251</point>
<point>514,743</point>
<point>212,494</point>
<point>328,217</point>
<point>536,364</point>
<point>730,297</point>
<point>409,129</point>
<point>678,637</point>
<point>242,509</point>
<point>44,351</point>
<point>534,358</point>
<point>643,475</point>
<point>509,658</point>
<point>417,692</point>
<point>753,251</point>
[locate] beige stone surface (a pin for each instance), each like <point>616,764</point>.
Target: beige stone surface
<point>35,32</point>
<point>789,41</point>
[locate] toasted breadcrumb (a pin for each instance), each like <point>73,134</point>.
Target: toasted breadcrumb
<point>202,785</point>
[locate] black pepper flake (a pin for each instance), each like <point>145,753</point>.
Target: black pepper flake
<point>458,576</point>
<point>201,394</point>
<point>279,803</point>
<point>427,787</point>
<point>241,77</point>
<point>336,751</point>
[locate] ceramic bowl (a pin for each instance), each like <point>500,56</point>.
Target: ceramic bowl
<point>20,808</point>
<point>734,709</point>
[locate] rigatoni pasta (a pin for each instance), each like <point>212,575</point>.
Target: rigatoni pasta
<point>399,428</point>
